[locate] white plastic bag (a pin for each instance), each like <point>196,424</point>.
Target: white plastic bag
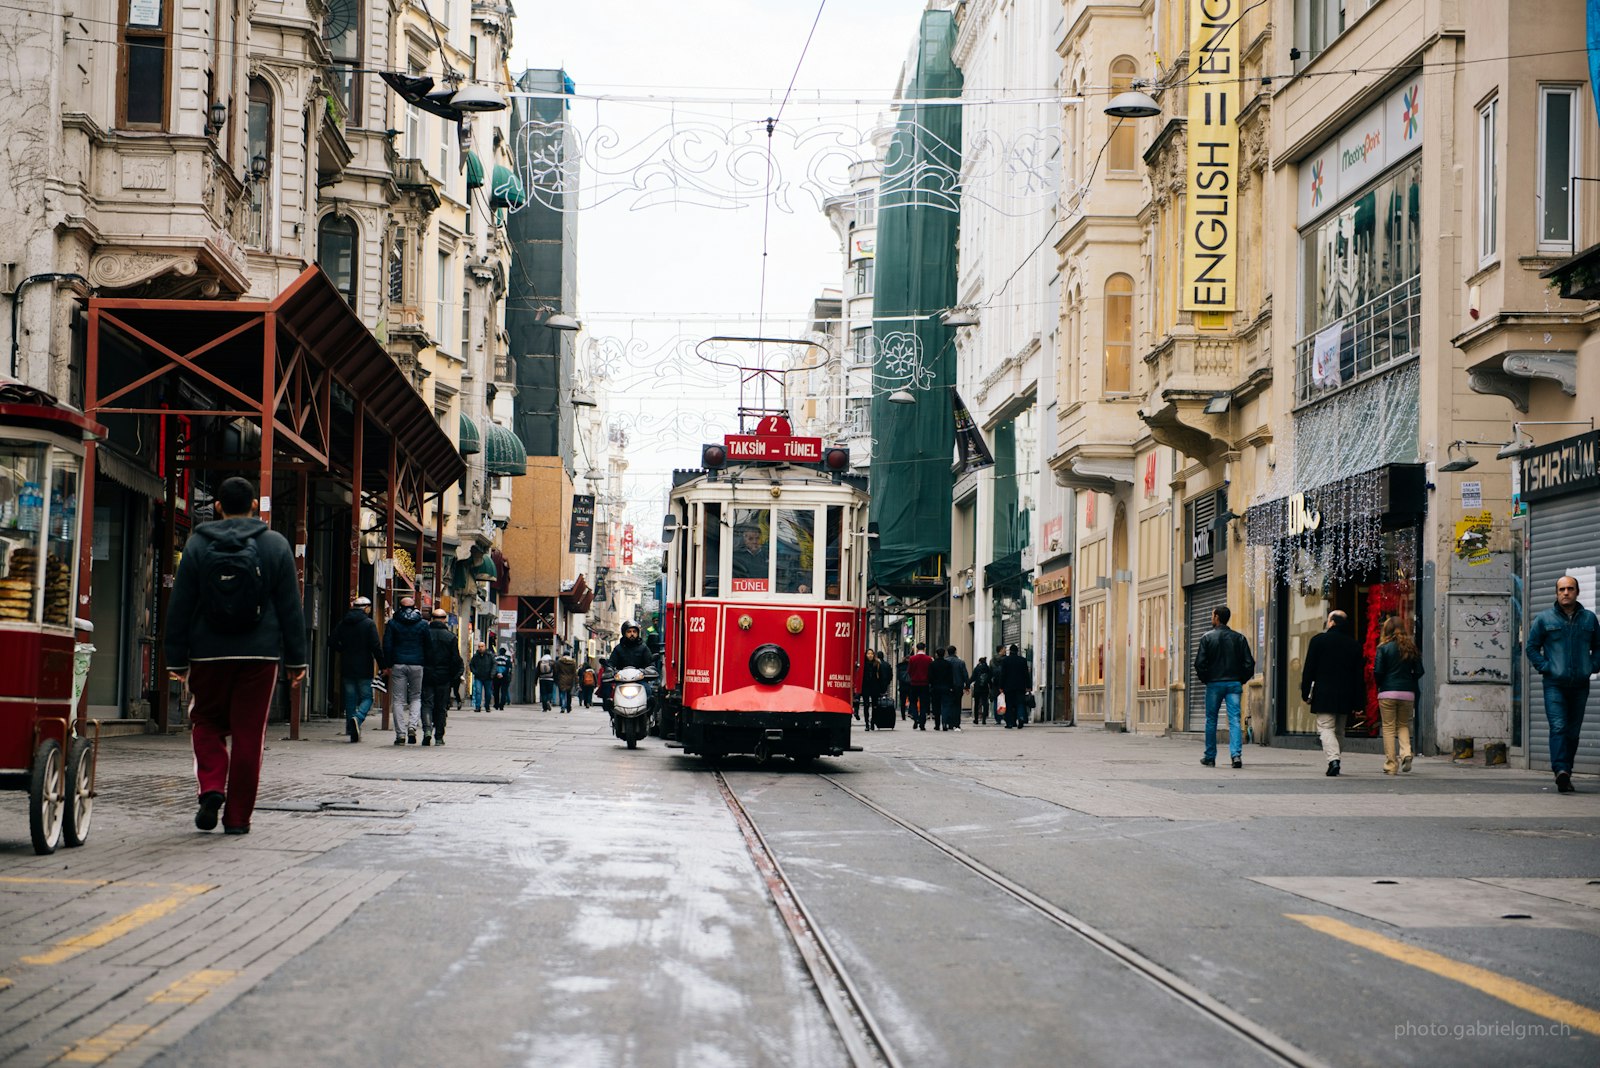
<point>1000,705</point>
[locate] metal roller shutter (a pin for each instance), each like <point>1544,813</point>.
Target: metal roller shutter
<point>1561,536</point>
<point>1203,600</point>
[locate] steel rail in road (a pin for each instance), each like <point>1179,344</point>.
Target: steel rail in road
<point>863,1039</point>
<point>1273,1045</point>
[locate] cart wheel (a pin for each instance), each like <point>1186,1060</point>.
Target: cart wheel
<point>79,791</point>
<point>46,794</point>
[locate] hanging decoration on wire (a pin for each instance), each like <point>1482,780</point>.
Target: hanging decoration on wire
<point>725,166</point>
<point>898,362</point>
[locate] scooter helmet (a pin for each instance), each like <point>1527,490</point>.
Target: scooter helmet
<point>630,625</point>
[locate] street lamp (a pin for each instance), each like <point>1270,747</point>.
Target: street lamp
<point>1133,104</point>
<point>1521,442</point>
<point>562,321</point>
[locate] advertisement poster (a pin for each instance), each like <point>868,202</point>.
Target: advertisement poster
<point>580,539</point>
<point>627,545</point>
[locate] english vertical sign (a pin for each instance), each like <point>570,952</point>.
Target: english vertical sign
<point>1210,246</point>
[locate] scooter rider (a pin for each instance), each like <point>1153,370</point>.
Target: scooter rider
<point>631,651</point>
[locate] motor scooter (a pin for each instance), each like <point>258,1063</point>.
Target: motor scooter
<point>629,704</point>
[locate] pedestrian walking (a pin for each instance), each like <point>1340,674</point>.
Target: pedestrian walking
<point>960,680</point>
<point>545,674</point>
<point>1016,684</point>
<point>405,654</point>
<point>902,682</point>
<point>1224,663</point>
<point>1333,682</point>
<point>939,682</point>
<point>1396,672</point>
<point>360,651</point>
<point>1564,648</point>
<point>918,666</point>
<point>481,666</point>
<point>982,678</point>
<point>504,662</point>
<point>233,615</point>
<point>440,675</point>
<point>875,676</point>
<point>588,679</point>
<point>566,681</point>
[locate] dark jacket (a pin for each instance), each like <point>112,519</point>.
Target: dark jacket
<point>566,673</point>
<point>443,665</point>
<point>1333,679</point>
<point>356,641</point>
<point>281,633</point>
<point>631,654</point>
<point>940,676</point>
<point>959,678</point>
<point>875,677</point>
<point>405,639</point>
<point>1224,656</point>
<point>482,665</point>
<point>1564,650</point>
<point>1392,673</point>
<point>982,679</point>
<point>1014,673</point>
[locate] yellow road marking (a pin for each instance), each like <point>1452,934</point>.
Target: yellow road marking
<point>129,921</point>
<point>191,988</point>
<point>1511,991</point>
<point>42,879</point>
<point>4,982</point>
<point>188,888</point>
<point>106,1044</point>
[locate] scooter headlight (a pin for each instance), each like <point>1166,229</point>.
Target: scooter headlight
<point>769,664</point>
<point>630,691</point>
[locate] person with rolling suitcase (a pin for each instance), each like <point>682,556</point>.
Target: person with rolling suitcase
<point>875,679</point>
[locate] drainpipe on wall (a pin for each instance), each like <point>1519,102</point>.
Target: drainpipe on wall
<point>16,306</point>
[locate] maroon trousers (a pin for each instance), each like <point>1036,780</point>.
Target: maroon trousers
<point>231,697</point>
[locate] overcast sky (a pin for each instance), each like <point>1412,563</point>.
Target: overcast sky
<point>648,252</point>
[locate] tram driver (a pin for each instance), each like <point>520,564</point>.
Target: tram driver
<point>750,555</point>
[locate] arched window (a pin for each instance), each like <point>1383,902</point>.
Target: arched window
<point>341,30</point>
<point>258,160</point>
<point>1119,334</point>
<point>336,253</point>
<point>1120,153</point>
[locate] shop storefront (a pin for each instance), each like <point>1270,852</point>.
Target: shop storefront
<point>1561,487</point>
<point>1205,589</point>
<point>1052,593</point>
<point>1353,545</point>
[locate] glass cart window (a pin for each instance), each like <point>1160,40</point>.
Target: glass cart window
<point>832,588</point>
<point>61,530</point>
<point>796,549</point>
<point>22,519</point>
<point>752,550</point>
<point>710,573</point>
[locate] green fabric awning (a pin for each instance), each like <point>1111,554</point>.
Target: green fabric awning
<point>474,171</point>
<point>503,451</point>
<point>471,439</point>
<point>506,191</point>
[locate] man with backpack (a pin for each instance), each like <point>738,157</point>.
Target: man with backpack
<point>405,651</point>
<point>588,679</point>
<point>360,651</point>
<point>440,673</point>
<point>234,613</point>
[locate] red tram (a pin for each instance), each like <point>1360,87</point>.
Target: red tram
<point>764,615</point>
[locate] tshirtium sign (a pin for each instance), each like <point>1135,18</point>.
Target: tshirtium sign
<point>1210,258</point>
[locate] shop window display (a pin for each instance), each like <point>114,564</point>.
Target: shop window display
<point>23,503</point>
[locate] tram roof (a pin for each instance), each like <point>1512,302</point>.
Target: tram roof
<point>799,475</point>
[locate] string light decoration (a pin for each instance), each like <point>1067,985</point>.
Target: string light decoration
<point>725,166</point>
<point>1323,525</point>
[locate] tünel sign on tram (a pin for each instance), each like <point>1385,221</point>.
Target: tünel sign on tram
<point>782,449</point>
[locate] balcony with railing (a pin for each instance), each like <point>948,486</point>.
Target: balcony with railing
<point>1381,333</point>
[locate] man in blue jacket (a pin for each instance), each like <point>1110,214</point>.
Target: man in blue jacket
<point>405,654</point>
<point>1564,647</point>
<point>234,614</point>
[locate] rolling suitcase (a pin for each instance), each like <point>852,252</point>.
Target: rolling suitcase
<point>883,713</point>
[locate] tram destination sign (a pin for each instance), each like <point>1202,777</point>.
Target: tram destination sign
<point>782,449</point>
<point>1561,467</point>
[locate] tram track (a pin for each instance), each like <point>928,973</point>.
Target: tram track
<point>866,1041</point>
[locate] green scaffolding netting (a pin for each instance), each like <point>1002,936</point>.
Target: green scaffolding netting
<point>911,477</point>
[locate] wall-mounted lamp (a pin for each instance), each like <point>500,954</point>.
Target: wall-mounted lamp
<point>960,315</point>
<point>580,399</point>
<point>1521,442</point>
<point>216,118</point>
<point>258,167</point>
<point>1219,403</point>
<point>1464,461</point>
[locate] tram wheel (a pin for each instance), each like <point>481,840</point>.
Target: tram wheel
<point>79,792</point>
<point>803,760</point>
<point>46,797</point>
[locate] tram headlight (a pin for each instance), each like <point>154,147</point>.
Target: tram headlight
<point>769,664</point>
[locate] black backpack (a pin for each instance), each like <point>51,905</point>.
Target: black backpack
<point>233,591</point>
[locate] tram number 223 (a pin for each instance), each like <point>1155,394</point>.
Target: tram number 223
<point>697,624</point>
<point>841,629</point>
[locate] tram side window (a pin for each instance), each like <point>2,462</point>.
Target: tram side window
<point>23,497</point>
<point>752,550</point>
<point>796,549</point>
<point>711,561</point>
<point>832,588</point>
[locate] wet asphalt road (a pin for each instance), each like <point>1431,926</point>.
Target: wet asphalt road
<point>603,910</point>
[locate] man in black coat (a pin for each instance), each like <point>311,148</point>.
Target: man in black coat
<point>360,651</point>
<point>1016,682</point>
<point>1333,682</point>
<point>1223,662</point>
<point>234,615</point>
<point>440,673</point>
